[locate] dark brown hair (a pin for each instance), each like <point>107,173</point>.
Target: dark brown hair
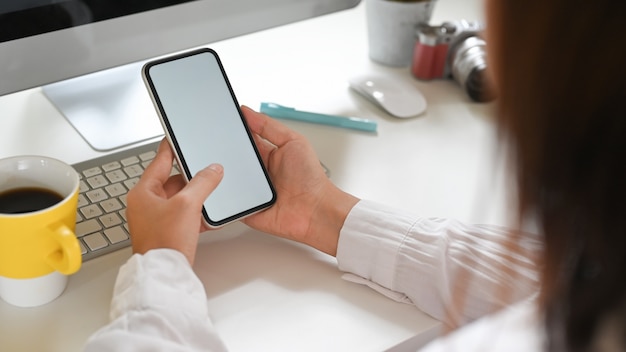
<point>560,71</point>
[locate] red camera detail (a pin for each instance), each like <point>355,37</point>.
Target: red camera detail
<point>429,61</point>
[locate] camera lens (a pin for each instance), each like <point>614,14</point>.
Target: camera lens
<point>478,86</point>
<point>469,68</point>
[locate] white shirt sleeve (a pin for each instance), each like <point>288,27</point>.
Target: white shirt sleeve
<point>454,272</point>
<point>159,304</point>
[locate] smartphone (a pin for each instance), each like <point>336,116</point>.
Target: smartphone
<point>204,124</point>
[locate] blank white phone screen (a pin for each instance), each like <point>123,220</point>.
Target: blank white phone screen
<point>206,126</point>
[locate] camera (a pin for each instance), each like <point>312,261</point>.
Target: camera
<point>455,50</point>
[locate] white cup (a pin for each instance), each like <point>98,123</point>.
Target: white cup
<point>392,28</point>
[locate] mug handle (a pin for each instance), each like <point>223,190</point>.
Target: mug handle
<point>67,259</point>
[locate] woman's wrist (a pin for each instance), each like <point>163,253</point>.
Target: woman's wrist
<point>328,219</point>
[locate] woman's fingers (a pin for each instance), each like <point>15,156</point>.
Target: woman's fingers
<point>268,128</point>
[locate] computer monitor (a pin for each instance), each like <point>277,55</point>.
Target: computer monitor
<point>87,54</point>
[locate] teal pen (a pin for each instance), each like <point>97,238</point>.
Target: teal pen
<point>283,112</point>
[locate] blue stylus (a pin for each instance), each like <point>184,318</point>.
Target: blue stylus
<point>284,112</point>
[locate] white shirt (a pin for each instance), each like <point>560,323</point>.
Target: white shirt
<point>453,272</point>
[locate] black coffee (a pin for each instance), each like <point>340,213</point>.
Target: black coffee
<point>25,200</point>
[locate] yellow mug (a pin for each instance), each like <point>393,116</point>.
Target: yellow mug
<point>38,204</point>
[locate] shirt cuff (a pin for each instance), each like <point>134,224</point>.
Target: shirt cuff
<point>370,240</point>
<point>158,279</point>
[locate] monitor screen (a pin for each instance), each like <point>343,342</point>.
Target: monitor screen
<point>26,18</point>
<point>55,43</point>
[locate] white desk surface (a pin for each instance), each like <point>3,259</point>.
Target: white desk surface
<point>268,294</point>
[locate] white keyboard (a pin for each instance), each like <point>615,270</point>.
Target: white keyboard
<point>101,220</point>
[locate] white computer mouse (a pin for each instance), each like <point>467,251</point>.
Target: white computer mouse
<point>395,97</point>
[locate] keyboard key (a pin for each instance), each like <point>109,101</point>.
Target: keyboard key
<point>97,195</point>
<point>115,190</point>
<point>130,161</point>
<point>95,241</point>
<point>110,220</point>
<point>91,211</point>
<point>116,235</point>
<point>83,187</point>
<point>111,205</point>
<point>87,227</point>
<point>116,176</point>
<point>97,181</point>
<point>92,172</point>
<point>114,165</point>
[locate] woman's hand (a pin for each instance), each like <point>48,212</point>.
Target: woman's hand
<point>163,211</point>
<point>309,207</point>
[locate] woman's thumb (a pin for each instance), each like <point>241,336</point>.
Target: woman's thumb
<point>204,182</point>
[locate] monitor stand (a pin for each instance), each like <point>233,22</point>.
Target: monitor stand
<point>109,109</point>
